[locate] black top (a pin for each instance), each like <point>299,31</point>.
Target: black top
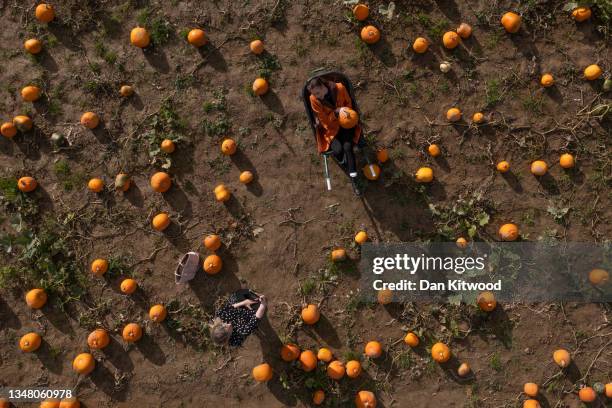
<point>243,319</point>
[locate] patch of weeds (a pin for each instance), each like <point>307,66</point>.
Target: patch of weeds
<point>69,180</point>
<point>160,29</point>
<point>533,104</point>
<point>558,212</point>
<point>495,362</point>
<point>218,103</point>
<point>277,15</point>
<point>493,92</point>
<point>308,286</point>
<point>216,128</point>
<point>300,48</point>
<point>220,166</point>
<point>101,51</point>
<point>14,201</point>
<point>99,87</point>
<point>182,82</point>
<point>466,214</point>
<point>165,124</point>
<point>435,28</point>
<point>268,64</point>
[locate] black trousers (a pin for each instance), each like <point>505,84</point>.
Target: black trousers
<point>342,147</point>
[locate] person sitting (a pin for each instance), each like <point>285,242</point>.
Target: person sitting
<point>238,317</point>
<point>326,99</point>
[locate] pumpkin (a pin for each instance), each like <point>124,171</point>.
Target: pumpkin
<point>167,146</point>
<point>98,339</point>
<point>30,342</point>
<point>161,182</point>
<point>539,168</point>
<point>587,394</point>
<point>30,93</point>
<point>336,370</point>
<point>353,369</point>
<point>453,114</point>
<point>132,332</point>
<point>562,358</point>
<point>126,91</point>
<point>361,12</point>
<point>420,45</point>
<point>160,222</point>
<point>464,30</point>
<point>424,175</point>
<point>348,118</point>
<point>609,390</point>
<point>158,313</point>
<point>461,242</point>
<point>308,360</point>
<point>213,264</point>
<point>445,66</point>
<point>371,171</point>
<point>4,403</point>
<point>566,161</point>
<point>23,123</point>
<point>44,13</point>
<point>260,87</point>
<point>486,301</point>
<point>433,150</point>
<point>128,286</point>
<point>50,403</point>
<point>197,37</point>
<point>478,117</point>
<point>531,403</point>
<point>511,22</point>
<point>222,194</point>
<point>70,403</point>
<point>257,47</point>
<point>228,147</point>
<point>90,120</point>
<point>373,349</point>
<point>212,242</point>
<point>581,14</point>
<point>36,298</point>
<point>27,184</point>
<point>592,72</point>
<point>384,296</point>
<point>412,339</point>
<point>440,353</point>
<point>503,166</point>
<point>318,397</point>
<point>382,155</point>
<point>325,355</point>
<point>338,255</point>
<point>508,232</point>
<point>310,314</point>
<point>140,37</point>
<point>33,46</point>
<point>370,34</point>
<point>122,182</point>
<point>8,130</point>
<point>84,363</point>
<point>95,185</point>
<point>99,267</point>
<point>464,370</point>
<point>361,237</point>
<point>365,399</point>
<point>290,352</point>
<point>531,389</point>
<point>451,39</point>
<point>262,372</point>
<point>598,276</point>
<point>547,80</point>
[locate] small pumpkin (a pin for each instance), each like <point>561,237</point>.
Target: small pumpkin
<point>382,155</point>
<point>566,161</point>
<point>412,339</point>
<point>461,242</point>
<point>440,352</point>
<point>140,37</point>
<point>384,296</point>
<point>95,185</point>
<point>27,184</point>
<point>581,14</point>
<point>30,93</point>
<point>158,313</point>
<point>50,403</point>
<point>361,12</point>
<point>336,370</point>
<point>257,47</point>
<point>365,399</point>
<point>373,349</point>
<point>424,175</point>
<point>90,120</point>
<point>338,255</point>
<point>508,232</point>
<point>213,264</point>
<point>592,72</point>
<point>132,332</point>
<point>167,146</point>
<point>44,13</point>
<point>562,358</point>
<point>308,360</point>
<point>478,117</point>
<point>160,222</point>
<point>70,403</point>
<point>539,168</point>
<point>33,46</point>
<point>99,267</point>
<point>371,171</point>
<point>318,397</point>
<point>260,87</point>
<point>325,355</point>
<point>445,66</point>
<point>262,372</point>
<point>486,301</point>
<point>547,80</point>
<point>464,30</point>
<point>451,40</point>
<point>420,45</point>
<point>348,118</point>
<point>84,363</point>
<point>433,150</point>
<point>98,339</point>
<point>212,242</point>
<point>464,370</point>
<point>453,115</point>
<point>361,237</point>
<point>370,34</point>
<point>4,403</point>
<point>503,166</point>
<point>531,389</point>
<point>161,182</point>
<point>608,389</point>
<point>128,286</point>
<point>290,352</point>
<point>353,369</point>
<point>222,194</point>
<point>246,177</point>
<point>8,130</point>
<point>36,298</point>
<point>22,123</point>
<point>197,37</point>
<point>587,394</point>
<point>310,314</point>
<point>598,276</point>
<point>511,22</point>
<point>126,91</point>
<point>228,147</point>
<point>30,342</point>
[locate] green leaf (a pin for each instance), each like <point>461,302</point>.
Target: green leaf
<point>455,300</point>
<point>472,231</point>
<point>483,219</point>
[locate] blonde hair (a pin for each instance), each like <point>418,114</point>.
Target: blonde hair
<point>219,332</point>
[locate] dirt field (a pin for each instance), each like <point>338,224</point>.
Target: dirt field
<point>278,232</point>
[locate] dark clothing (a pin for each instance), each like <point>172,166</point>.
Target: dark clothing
<point>342,146</point>
<point>243,319</point>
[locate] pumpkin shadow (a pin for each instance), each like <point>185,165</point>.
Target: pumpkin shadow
<point>9,319</point>
<point>573,372</point>
<point>115,353</point>
<point>575,175</point>
<point>382,51</point>
<point>157,58</point>
<point>496,322</point>
<point>151,350</point>
<point>270,344</point>
<point>134,195</point>
<point>512,181</point>
<point>525,46</point>
<point>175,236</point>
<point>208,287</point>
<point>427,60</point>
<point>136,101</point>
<point>213,57</point>
<point>102,133</point>
<point>326,332</point>
<point>554,94</point>
<point>58,319</point>
<point>178,200</point>
<point>442,163</point>
<point>234,207</point>
<point>449,9</point>
<point>273,102</point>
<point>47,61</point>
<point>65,36</point>
<point>45,354</point>
<point>7,146</point>
<point>104,380</point>
<point>548,183</point>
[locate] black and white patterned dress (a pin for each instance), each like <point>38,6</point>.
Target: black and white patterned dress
<point>243,319</point>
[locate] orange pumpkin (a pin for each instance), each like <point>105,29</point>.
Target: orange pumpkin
<point>22,123</point>
<point>140,37</point>
<point>213,264</point>
<point>338,255</point>
<point>128,286</point>
<point>453,114</point>
<point>370,34</point>
<point>30,342</point>
<point>440,353</point>
<point>27,184</point>
<point>95,185</point>
<point>384,296</point>
<point>508,232</point>
<point>33,46</point>
<point>511,22</point>
<point>197,37</point>
<point>412,339</point>
<point>531,403</point>
<point>433,150</point>
<point>461,242</point>
<point>382,155</point>
<point>608,390</point>
<point>562,358</point>
<point>420,45</point>
<point>212,242</point>
<point>84,363</point>
<point>478,117</point>
<point>122,182</point>
<point>373,349</point>
<point>486,301</point>
<point>464,30</point>
<point>503,166</point>
<point>161,182</point>
<point>5,404</point>
<point>539,168</point>
<point>581,14</point>
<point>547,80</point>
<point>246,177</point>
<point>598,276</point>
<point>566,161</point>
<point>325,355</point>
<point>531,389</point>
<point>8,130</point>
<point>361,12</point>
<point>160,222</point>
<point>36,298</point>
<point>50,403</point>
<point>30,93</point>
<point>222,194</point>
<point>228,147</point>
<point>290,352</point>
<point>348,118</point>
<point>98,339</point>
<point>126,91</point>
<point>361,237</point>
<point>318,397</point>
<point>158,313</point>
<point>308,360</point>
<point>70,403</point>
<point>587,394</point>
<point>257,47</point>
<point>371,171</point>
<point>451,39</point>
<point>44,13</point>
<point>336,370</point>
<point>424,175</point>
<point>353,369</point>
<point>132,332</point>
<point>167,146</point>
<point>311,314</point>
<point>99,267</point>
<point>592,72</point>
<point>365,399</point>
<point>260,87</point>
<point>90,120</point>
<point>262,372</point>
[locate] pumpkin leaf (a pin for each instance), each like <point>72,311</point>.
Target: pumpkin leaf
<point>483,219</point>
<point>455,300</point>
<point>570,6</point>
<point>388,11</point>
<point>472,231</point>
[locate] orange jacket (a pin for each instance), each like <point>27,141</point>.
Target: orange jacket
<point>328,122</point>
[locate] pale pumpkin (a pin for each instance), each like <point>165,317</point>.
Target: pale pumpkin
<point>539,168</point>
<point>365,399</point>
<point>464,370</point>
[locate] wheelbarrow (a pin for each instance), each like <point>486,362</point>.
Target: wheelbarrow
<point>187,268</point>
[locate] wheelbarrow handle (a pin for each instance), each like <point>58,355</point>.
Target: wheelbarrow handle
<point>326,171</point>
